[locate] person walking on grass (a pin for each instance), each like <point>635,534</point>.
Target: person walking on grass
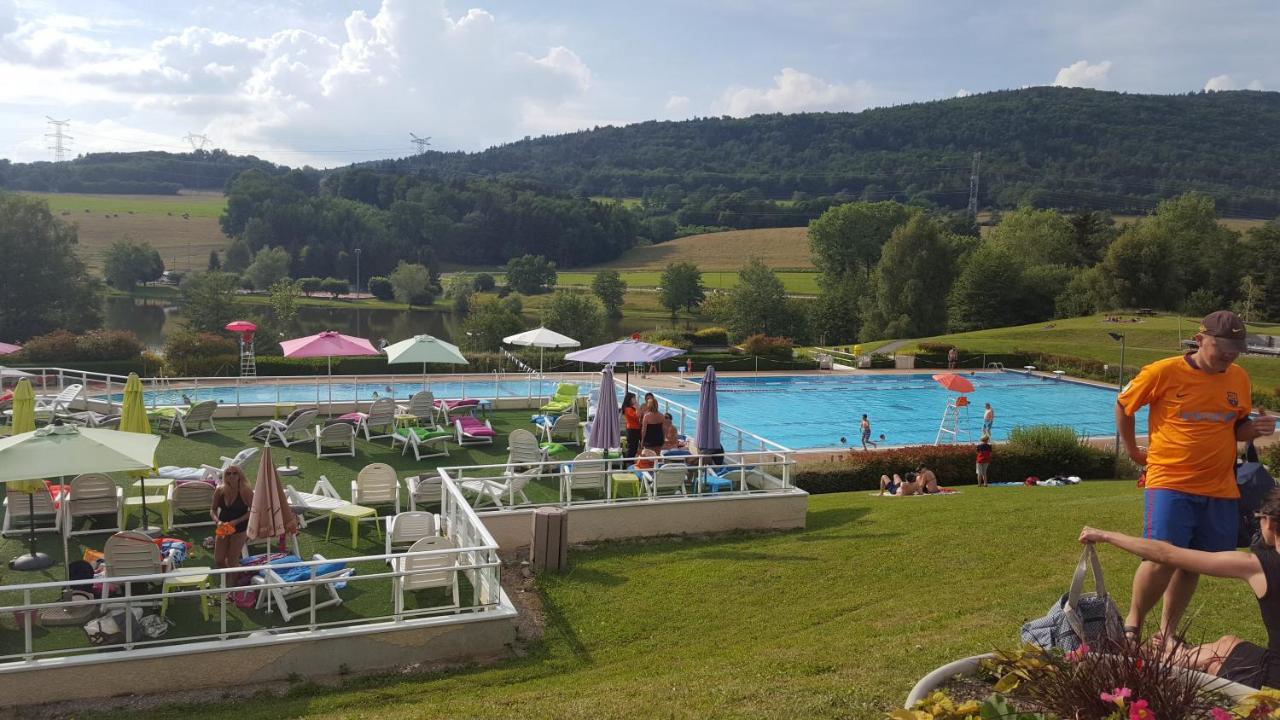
<point>865,426</point>
<point>988,419</point>
<point>1199,408</point>
<point>983,459</point>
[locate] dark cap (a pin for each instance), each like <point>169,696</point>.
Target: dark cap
<point>1226,327</point>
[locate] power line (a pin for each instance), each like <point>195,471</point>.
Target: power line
<point>197,141</point>
<point>59,136</point>
<point>420,142</point>
<point>973,185</point>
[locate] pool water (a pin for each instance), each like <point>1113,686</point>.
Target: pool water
<point>807,412</point>
<point>318,391</point>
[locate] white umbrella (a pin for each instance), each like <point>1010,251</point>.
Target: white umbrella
<point>425,349</point>
<point>541,338</point>
<point>8,372</point>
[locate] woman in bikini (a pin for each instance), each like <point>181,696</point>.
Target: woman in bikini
<point>231,502</point>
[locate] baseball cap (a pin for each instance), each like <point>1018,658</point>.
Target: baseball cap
<point>1226,327</point>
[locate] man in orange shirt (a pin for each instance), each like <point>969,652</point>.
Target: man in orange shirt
<point>1199,409</point>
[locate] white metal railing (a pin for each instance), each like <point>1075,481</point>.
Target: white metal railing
<point>474,550</point>
<point>685,419</point>
<point>506,486</point>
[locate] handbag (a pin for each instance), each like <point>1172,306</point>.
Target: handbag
<point>1078,617</point>
<point>1255,485</point>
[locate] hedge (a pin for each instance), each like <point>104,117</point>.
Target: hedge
<point>953,464</point>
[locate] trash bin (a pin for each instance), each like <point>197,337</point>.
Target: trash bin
<point>550,547</point>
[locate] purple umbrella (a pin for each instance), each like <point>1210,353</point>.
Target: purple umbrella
<point>624,351</point>
<point>604,429</point>
<point>707,434</point>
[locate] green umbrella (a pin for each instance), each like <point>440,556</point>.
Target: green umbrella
<point>133,414</point>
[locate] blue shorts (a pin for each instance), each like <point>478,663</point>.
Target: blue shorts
<point>986,427</point>
<point>1190,521</point>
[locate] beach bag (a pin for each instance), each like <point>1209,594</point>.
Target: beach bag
<point>109,629</point>
<point>1078,617</point>
<point>1255,484</point>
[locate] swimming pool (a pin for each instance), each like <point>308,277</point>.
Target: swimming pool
<point>807,412</point>
<point>317,391</point>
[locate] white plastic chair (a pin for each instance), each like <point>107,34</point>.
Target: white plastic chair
<point>588,471</point>
<point>382,415</point>
<point>338,439</point>
<point>667,477</point>
<point>510,488</point>
<point>92,495</point>
<point>437,446</point>
<point>426,571</point>
<point>30,509</point>
<point>175,472</point>
<point>425,489</point>
<point>280,596</point>
<point>192,420</point>
<point>129,553</point>
<point>294,432</point>
<point>376,484</point>
<point>564,430</point>
<point>422,406</point>
<point>406,528</point>
<point>190,496</point>
<point>523,450</point>
<point>322,499</point>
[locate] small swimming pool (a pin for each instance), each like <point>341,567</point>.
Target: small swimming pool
<point>317,391</point>
<point>807,412</point>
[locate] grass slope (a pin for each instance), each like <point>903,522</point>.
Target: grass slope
<point>801,283</point>
<point>835,621</point>
<point>780,248</point>
<point>184,243</point>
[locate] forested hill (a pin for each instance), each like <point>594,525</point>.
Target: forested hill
<point>1046,146</point>
<point>145,173</point>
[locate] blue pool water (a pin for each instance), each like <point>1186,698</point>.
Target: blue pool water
<point>318,391</point>
<point>804,412</point>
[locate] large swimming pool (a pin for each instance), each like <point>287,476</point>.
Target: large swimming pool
<point>313,391</point>
<point>806,412</point>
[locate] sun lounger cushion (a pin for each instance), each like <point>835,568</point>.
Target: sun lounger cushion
<point>553,448</point>
<point>427,434</point>
<point>476,428</point>
<point>452,404</point>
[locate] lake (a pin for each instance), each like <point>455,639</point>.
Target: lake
<point>152,320</point>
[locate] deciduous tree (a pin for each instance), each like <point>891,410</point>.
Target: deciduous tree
<point>531,274</point>
<point>47,286</point>
<point>912,280</point>
<point>681,287</point>
<point>576,314</point>
<point>848,238</point>
<point>129,262</point>
<point>269,266</point>
<point>208,301</point>
<point>610,288</point>
<point>412,284</point>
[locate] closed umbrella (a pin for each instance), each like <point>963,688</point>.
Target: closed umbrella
<point>625,351</point>
<point>328,344</point>
<point>541,338</point>
<point>605,433</point>
<point>270,515</point>
<point>707,433</point>
<point>133,419</point>
<point>425,349</point>
<point>24,421</point>
<point>24,408</point>
<point>59,450</point>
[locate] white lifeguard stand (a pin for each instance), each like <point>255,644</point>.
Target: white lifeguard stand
<point>954,421</point>
<point>246,329</point>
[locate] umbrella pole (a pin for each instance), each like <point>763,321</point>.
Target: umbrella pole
<point>33,560</point>
<point>330,386</point>
<point>424,376</point>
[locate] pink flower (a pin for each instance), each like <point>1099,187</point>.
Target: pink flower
<point>1078,654</point>
<point>1117,696</point>
<point>1139,711</point>
<point>1220,714</point>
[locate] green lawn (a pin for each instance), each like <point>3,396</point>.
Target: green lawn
<point>1146,341</point>
<point>169,292</point>
<point>798,282</point>
<point>208,205</point>
<point>835,621</point>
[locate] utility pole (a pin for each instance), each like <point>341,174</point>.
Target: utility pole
<point>357,273</point>
<point>973,186</point>
<point>57,134</point>
<point>197,143</point>
<point>421,142</point>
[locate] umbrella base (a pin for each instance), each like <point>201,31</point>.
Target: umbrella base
<point>31,561</point>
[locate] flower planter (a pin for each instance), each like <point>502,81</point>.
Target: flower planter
<point>969,666</point>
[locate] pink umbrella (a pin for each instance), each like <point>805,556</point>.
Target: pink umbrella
<point>7,349</point>
<point>328,344</point>
<point>270,515</point>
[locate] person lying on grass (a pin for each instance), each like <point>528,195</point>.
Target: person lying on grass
<point>928,481</point>
<point>911,485</point>
<point>1229,657</point>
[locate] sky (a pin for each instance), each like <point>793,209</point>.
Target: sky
<point>327,83</point>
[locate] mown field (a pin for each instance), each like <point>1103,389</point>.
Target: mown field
<point>800,283</point>
<point>780,248</point>
<point>183,242</point>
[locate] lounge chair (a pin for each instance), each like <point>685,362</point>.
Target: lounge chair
<point>91,419</point>
<point>22,510</point>
<point>564,430</point>
<point>335,440</point>
<point>190,496</point>
<point>472,431</point>
<point>422,406</point>
<point>295,429</point>
<point>322,499</point>
<point>563,400</point>
<point>425,442</point>
<point>376,484</point>
<point>588,471</point>
<point>50,406</point>
<point>93,495</point>
<point>669,477</point>
<point>426,571</point>
<point>425,489</point>
<point>523,450</point>
<point>129,553</point>
<point>444,408</point>
<point>496,492</point>
<point>380,421</point>
<point>406,528</point>
<point>294,583</point>
<point>192,421</point>
<point>207,472</point>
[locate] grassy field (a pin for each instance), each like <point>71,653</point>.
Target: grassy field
<point>183,242</point>
<point>781,248</point>
<point>834,621</point>
<point>800,283</point>
<point>1148,340</point>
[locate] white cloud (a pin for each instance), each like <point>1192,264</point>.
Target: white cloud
<point>1226,82</point>
<point>677,105</point>
<point>963,93</point>
<point>795,91</point>
<point>1081,74</point>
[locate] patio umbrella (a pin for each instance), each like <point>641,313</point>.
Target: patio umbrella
<point>425,349</point>
<point>624,351</point>
<point>541,338</point>
<point>24,421</point>
<point>605,433</point>
<point>954,382</point>
<point>59,450</point>
<point>133,419</point>
<point>707,433</point>
<point>7,349</point>
<point>8,372</point>
<point>24,408</point>
<point>270,515</point>
<point>328,344</point>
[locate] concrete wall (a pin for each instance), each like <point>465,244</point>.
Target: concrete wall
<point>642,518</point>
<point>331,652</point>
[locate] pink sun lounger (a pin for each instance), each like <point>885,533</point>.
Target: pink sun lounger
<point>473,431</point>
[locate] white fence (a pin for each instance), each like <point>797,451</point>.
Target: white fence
<point>473,552</point>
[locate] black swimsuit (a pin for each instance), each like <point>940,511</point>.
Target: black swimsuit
<point>235,509</point>
<point>654,436</point>
<point>1249,664</point>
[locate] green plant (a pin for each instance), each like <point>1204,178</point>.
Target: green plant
<point>767,346</point>
<point>95,346</point>
<point>710,336</point>
<point>198,353</point>
<point>669,338</point>
<point>381,288</point>
<point>484,282</point>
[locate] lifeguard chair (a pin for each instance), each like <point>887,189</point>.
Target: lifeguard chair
<point>954,421</point>
<point>246,329</point>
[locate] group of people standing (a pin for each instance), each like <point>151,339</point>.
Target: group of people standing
<point>647,427</point>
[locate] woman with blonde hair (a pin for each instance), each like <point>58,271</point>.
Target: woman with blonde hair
<point>231,502</point>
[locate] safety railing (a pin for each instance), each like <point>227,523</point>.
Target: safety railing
<point>685,419</point>
<point>596,480</point>
<point>468,569</point>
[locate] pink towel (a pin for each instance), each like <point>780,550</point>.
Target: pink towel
<point>474,427</point>
<point>451,404</point>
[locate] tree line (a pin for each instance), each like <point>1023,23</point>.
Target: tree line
<point>137,173</point>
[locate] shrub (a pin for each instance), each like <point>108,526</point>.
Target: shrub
<point>710,336</point>
<point>95,346</point>
<point>199,354</point>
<point>381,288</point>
<point>335,286</point>
<point>313,284</point>
<point>881,361</point>
<point>935,347</point>
<point>57,345</point>
<point>669,338</point>
<point>767,346</point>
<point>484,282</point>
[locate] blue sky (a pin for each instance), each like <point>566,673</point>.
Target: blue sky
<point>329,82</point>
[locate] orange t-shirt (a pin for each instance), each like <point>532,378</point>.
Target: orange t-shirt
<point>1191,423</point>
<point>632,417</point>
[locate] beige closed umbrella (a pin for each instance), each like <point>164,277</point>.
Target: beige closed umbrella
<point>270,515</point>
